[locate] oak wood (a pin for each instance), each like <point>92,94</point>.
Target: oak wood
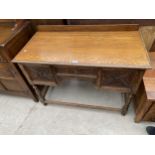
<point>2,87</point>
<point>115,75</point>
<point>5,32</point>
<point>122,49</point>
<point>5,71</point>
<point>152,59</point>
<point>48,21</point>
<point>88,28</point>
<point>41,82</point>
<point>150,115</point>
<point>149,79</point>
<point>81,105</point>
<point>142,105</point>
<point>12,39</point>
<point>142,22</point>
<point>44,90</point>
<point>148,35</point>
<point>85,51</point>
<point>145,96</point>
<point>116,88</point>
<point>153,45</point>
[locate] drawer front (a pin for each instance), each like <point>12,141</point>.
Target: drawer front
<point>76,71</point>
<point>117,78</point>
<point>150,115</point>
<point>5,71</point>
<point>41,74</point>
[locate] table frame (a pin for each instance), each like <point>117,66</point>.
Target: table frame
<point>128,93</point>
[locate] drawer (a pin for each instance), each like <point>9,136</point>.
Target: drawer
<point>119,79</point>
<point>41,74</point>
<point>79,72</point>
<point>150,115</point>
<point>5,71</point>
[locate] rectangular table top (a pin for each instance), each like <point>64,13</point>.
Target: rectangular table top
<point>120,49</point>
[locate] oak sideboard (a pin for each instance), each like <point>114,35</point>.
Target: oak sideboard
<point>13,36</point>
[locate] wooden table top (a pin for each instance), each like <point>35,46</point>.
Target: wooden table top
<point>149,79</point>
<point>5,32</point>
<point>120,49</point>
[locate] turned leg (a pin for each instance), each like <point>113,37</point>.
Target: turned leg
<point>128,98</point>
<point>41,98</point>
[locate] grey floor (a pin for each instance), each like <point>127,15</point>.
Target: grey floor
<point>20,115</point>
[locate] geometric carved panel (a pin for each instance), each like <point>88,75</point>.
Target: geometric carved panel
<point>118,77</point>
<point>39,72</point>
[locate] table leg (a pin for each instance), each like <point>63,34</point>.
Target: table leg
<point>38,93</point>
<point>128,98</point>
<point>41,98</point>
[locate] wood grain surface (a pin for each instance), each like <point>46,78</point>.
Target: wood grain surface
<point>120,49</point>
<point>149,79</point>
<point>12,38</point>
<point>5,32</point>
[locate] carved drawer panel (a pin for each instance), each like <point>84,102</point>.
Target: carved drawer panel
<point>5,71</point>
<point>41,74</point>
<point>119,79</point>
